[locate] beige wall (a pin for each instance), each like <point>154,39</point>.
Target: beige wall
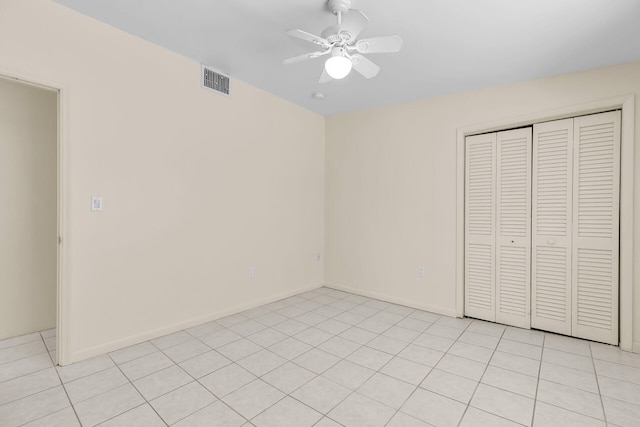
<point>391,184</point>
<point>28,218</point>
<point>197,187</point>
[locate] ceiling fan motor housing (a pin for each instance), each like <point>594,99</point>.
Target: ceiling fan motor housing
<point>339,6</point>
<point>339,51</point>
<point>331,34</point>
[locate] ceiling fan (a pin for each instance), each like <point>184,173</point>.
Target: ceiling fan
<point>340,41</point>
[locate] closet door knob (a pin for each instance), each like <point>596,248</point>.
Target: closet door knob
<point>551,242</point>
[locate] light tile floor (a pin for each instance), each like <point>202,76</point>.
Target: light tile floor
<point>327,358</point>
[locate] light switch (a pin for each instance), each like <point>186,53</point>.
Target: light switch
<point>96,204</point>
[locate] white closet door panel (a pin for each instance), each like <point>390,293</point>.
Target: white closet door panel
<point>513,227</point>
<point>596,198</point>
<point>480,170</point>
<point>551,226</point>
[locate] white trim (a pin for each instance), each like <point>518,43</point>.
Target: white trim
<point>627,156</point>
<point>627,104</point>
<point>62,315</point>
<point>460,165</point>
<point>391,299</point>
<point>179,326</point>
<point>62,331</point>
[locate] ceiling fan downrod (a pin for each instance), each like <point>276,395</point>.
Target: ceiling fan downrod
<point>339,7</point>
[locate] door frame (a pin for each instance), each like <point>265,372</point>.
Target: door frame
<point>627,145</point>
<point>62,320</point>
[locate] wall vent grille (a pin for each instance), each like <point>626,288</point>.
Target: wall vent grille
<point>215,81</point>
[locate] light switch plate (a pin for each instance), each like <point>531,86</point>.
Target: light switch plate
<point>96,204</point>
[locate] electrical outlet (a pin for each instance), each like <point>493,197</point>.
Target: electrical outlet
<point>420,271</point>
<point>318,256</point>
<point>252,271</point>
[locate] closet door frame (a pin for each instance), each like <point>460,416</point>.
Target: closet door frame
<point>627,132</point>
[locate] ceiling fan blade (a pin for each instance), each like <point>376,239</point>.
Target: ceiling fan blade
<point>324,77</point>
<point>304,57</point>
<point>379,44</point>
<point>303,35</point>
<point>352,23</point>
<point>364,66</point>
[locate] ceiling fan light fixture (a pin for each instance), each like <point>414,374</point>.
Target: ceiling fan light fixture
<point>338,66</point>
<point>342,43</point>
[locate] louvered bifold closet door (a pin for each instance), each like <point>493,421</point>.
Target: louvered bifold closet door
<point>551,226</point>
<point>513,227</point>
<point>480,174</point>
<point>596,195</point>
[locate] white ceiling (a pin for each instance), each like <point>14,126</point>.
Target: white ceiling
<point>449,46</point>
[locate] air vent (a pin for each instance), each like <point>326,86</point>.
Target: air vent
<point>215,81</point>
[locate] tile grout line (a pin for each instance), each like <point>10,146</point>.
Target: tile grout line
<point>219,398</point>
<point>481,376</point>
<point>138,391</point>
<point>375,372</point>
<point>361,345</point>
<point>412,393</point>
<point>29,373</point>
<point>63,387</point>
<point>50,388</point>
<point>39,338</point>
<point>397,355</point>
<point>25,357</point>
<point>35,372</point>
<point>595,372</point>
<point>565,385</point>
<point>535,400</point>
<point>194,379</point>
<point>320,374</point>
<point>260,377</point>
<point>343,358</point>
<point>40,391</point>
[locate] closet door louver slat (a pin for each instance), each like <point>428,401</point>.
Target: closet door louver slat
<point>513,227</point>
<point>480,172</point>
<point>551,226</point>
<point>596,197</point>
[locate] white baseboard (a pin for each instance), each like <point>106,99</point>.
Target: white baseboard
<point>155,333</point>
<point>388,298</point>
<point>636,347</point>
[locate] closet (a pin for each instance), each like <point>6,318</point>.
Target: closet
<point>542,226</point>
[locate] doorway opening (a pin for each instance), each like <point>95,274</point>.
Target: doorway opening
<point>29,218</point>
